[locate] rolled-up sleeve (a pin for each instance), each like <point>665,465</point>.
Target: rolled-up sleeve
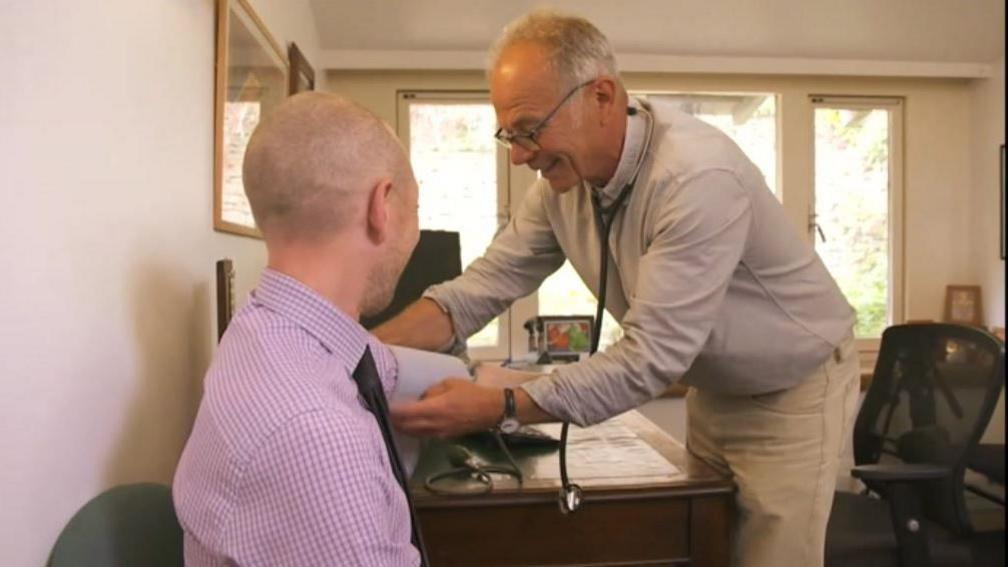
<point>520,257</point>
<point>698,241</point>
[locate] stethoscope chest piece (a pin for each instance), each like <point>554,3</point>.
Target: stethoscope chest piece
<point>570,498</point>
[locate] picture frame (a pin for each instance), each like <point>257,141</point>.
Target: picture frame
<point>1002,225</point>
<point>964,305</point>
<point>302,75</point>
<point>566,335</point>
<point>251,80</point>
<point>558,339</point>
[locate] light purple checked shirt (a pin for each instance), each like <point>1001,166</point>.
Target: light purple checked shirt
<point>284,465</point>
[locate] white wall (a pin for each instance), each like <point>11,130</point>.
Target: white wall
<point>106,137</point>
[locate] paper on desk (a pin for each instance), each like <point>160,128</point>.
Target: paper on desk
<point>622,456</point>
<point>418,371</point>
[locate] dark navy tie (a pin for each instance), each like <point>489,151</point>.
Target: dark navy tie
<point>370,389</point>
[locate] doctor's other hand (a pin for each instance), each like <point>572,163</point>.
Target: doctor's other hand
<point>450,408</point>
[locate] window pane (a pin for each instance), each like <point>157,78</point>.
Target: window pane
<point>455,161</point>
<point>852,149</point>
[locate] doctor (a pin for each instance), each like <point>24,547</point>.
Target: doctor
<point>709,280</point>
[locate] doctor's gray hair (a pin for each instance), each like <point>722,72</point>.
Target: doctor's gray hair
<point>576,49</point>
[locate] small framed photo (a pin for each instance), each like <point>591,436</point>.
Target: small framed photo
<point>567,335</point>
<point>560,338</point>
<point>963,304</point>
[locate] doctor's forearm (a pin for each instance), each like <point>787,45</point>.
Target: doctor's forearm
<point>423,325</point>
<point>527,411</point>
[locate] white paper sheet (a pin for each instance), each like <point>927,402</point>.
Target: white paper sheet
<point>624,456</point>
<point>418,371</point>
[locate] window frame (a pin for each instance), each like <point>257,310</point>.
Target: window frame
<point>895,105</point>
<point>512,183</point>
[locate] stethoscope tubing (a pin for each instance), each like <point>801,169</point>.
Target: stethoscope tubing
<point>570,493</point>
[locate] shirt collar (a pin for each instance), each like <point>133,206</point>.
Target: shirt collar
<point>344,337</point>
<point>633,146</point>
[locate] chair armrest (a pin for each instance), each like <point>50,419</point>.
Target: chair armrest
<point>900,472</point>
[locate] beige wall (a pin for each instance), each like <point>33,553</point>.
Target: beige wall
<point>937,171</point>
<point>106,133</point>
<point>988,116</point>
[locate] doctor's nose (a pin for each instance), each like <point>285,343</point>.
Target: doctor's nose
<point>520,155</point>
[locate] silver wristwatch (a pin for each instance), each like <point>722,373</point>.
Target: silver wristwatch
<point>509,421</point>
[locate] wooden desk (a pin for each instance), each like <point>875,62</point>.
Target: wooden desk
<point>679,519</point>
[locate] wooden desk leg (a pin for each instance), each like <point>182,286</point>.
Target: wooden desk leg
<point>710,531</point>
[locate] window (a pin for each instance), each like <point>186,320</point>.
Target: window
<point>855,211</point>
<point>456,162</point>
<point>857,205</point>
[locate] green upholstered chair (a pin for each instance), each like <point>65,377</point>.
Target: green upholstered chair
<point>132,524</point>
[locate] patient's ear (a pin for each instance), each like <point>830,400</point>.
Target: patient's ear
<point>378,211</point>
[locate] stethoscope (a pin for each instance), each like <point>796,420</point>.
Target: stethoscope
<point>467,467</point>
<point>570,493</point>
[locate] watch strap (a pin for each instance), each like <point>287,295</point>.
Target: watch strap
<point>509,403</point>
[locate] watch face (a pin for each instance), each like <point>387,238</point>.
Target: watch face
<point>509,425</point>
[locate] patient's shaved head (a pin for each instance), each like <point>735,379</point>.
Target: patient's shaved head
<point>311,163</point>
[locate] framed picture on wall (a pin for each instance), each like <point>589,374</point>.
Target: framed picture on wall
<point>251,82</point>
<point>302,76</point>
<point>963,305</point>
<point>1002,207</point>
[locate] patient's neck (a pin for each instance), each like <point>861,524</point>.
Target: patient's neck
<point>323,268</point>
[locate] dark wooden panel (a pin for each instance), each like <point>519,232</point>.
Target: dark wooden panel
<point>710,530</point>
<point>650,531</point>
<point>678,519</point>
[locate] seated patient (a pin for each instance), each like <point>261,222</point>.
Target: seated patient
<point>286,463</point>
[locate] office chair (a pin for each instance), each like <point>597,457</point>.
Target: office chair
<point>988,459</point>
<point>933,392</point>
<point>132,524</point>
<point>436,258</point>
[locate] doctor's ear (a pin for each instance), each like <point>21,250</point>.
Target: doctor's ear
<point>378,211</point>
<point>603,94</point>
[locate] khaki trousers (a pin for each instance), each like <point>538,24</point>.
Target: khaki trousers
<point>782,449</point>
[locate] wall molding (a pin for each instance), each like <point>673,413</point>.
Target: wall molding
<point>644,62</point>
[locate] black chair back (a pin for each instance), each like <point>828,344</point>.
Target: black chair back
<point>933,392</point>
<point>436,258</point>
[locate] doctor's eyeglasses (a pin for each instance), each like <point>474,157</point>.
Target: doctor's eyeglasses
<point>527,140</point>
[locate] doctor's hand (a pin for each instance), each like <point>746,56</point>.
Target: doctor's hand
<point>450,408</point>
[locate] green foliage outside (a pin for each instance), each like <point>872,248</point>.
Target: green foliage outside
<point>852,177</point>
